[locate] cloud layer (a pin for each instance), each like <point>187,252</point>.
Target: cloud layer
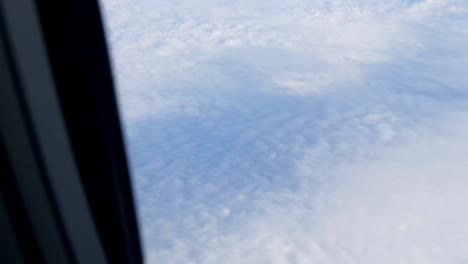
<point>296,131</point>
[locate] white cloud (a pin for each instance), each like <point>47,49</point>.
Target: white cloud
<point>296,131</point>
<point>348,200</point>
<point>325,43</point>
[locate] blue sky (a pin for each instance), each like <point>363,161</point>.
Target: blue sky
<point>295,131</point>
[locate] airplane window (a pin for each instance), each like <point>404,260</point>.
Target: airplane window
<point>295,131</point>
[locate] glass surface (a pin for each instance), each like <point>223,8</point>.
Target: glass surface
<point>296,131</point>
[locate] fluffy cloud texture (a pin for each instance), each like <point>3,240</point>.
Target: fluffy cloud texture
<point>296,131</point>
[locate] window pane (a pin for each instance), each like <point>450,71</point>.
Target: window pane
<point>296,131</point>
